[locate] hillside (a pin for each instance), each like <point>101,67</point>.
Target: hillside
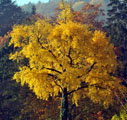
<point>48,9</point>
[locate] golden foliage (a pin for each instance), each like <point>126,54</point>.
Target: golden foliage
<point>67,55</point>
<point>64,13</point>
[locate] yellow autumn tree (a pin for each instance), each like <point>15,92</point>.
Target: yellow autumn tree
<point>64,13</point>
<point>66,59</point>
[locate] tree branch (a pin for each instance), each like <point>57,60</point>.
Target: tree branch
<point>70,57</point>
<point>53,70</point>
<point>55,81</point>
<point>91,68</point>
<point>85,86</point>
<point>88,70</point>
<point>38,39</point>
<point>58,85</point>
<point>54,57</point>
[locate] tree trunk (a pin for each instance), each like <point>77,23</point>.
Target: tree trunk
<point>64,105</point>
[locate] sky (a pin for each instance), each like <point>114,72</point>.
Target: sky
<point>22,2</point>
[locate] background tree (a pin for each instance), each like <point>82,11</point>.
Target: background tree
<point>122,115</point>
<point>90,14</point>
<point>64,12</point>
<point>4,40</point>
<point>117,29</point>
<point>18,102</point>
<point>33,10</point>
<point>8,96</point>
<point>10,14</point>
<point>32,19</point>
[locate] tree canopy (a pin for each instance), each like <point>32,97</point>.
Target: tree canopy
<point>69,56</point>
<point>66,58</point>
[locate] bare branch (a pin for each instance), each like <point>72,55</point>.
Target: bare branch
<point>54,57</point>
<point>91,68</point>
<point>58,85</point>
<point>55,80</point>
<point>70,57</point>
<point>53,70</point>
<point>85,86</point>
<point>88,70</point>
<point>38,39</point>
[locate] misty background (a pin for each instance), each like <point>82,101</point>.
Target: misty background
<point>47,8</point>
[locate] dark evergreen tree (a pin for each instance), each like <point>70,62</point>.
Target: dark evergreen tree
<point>33,10</point>
<point>16,102</point>
<point>8,88</point>
<point>116,23</point>
<point>117,29</point>
<point>10,14</point>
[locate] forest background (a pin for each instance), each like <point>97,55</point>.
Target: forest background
<point>18,102</point>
